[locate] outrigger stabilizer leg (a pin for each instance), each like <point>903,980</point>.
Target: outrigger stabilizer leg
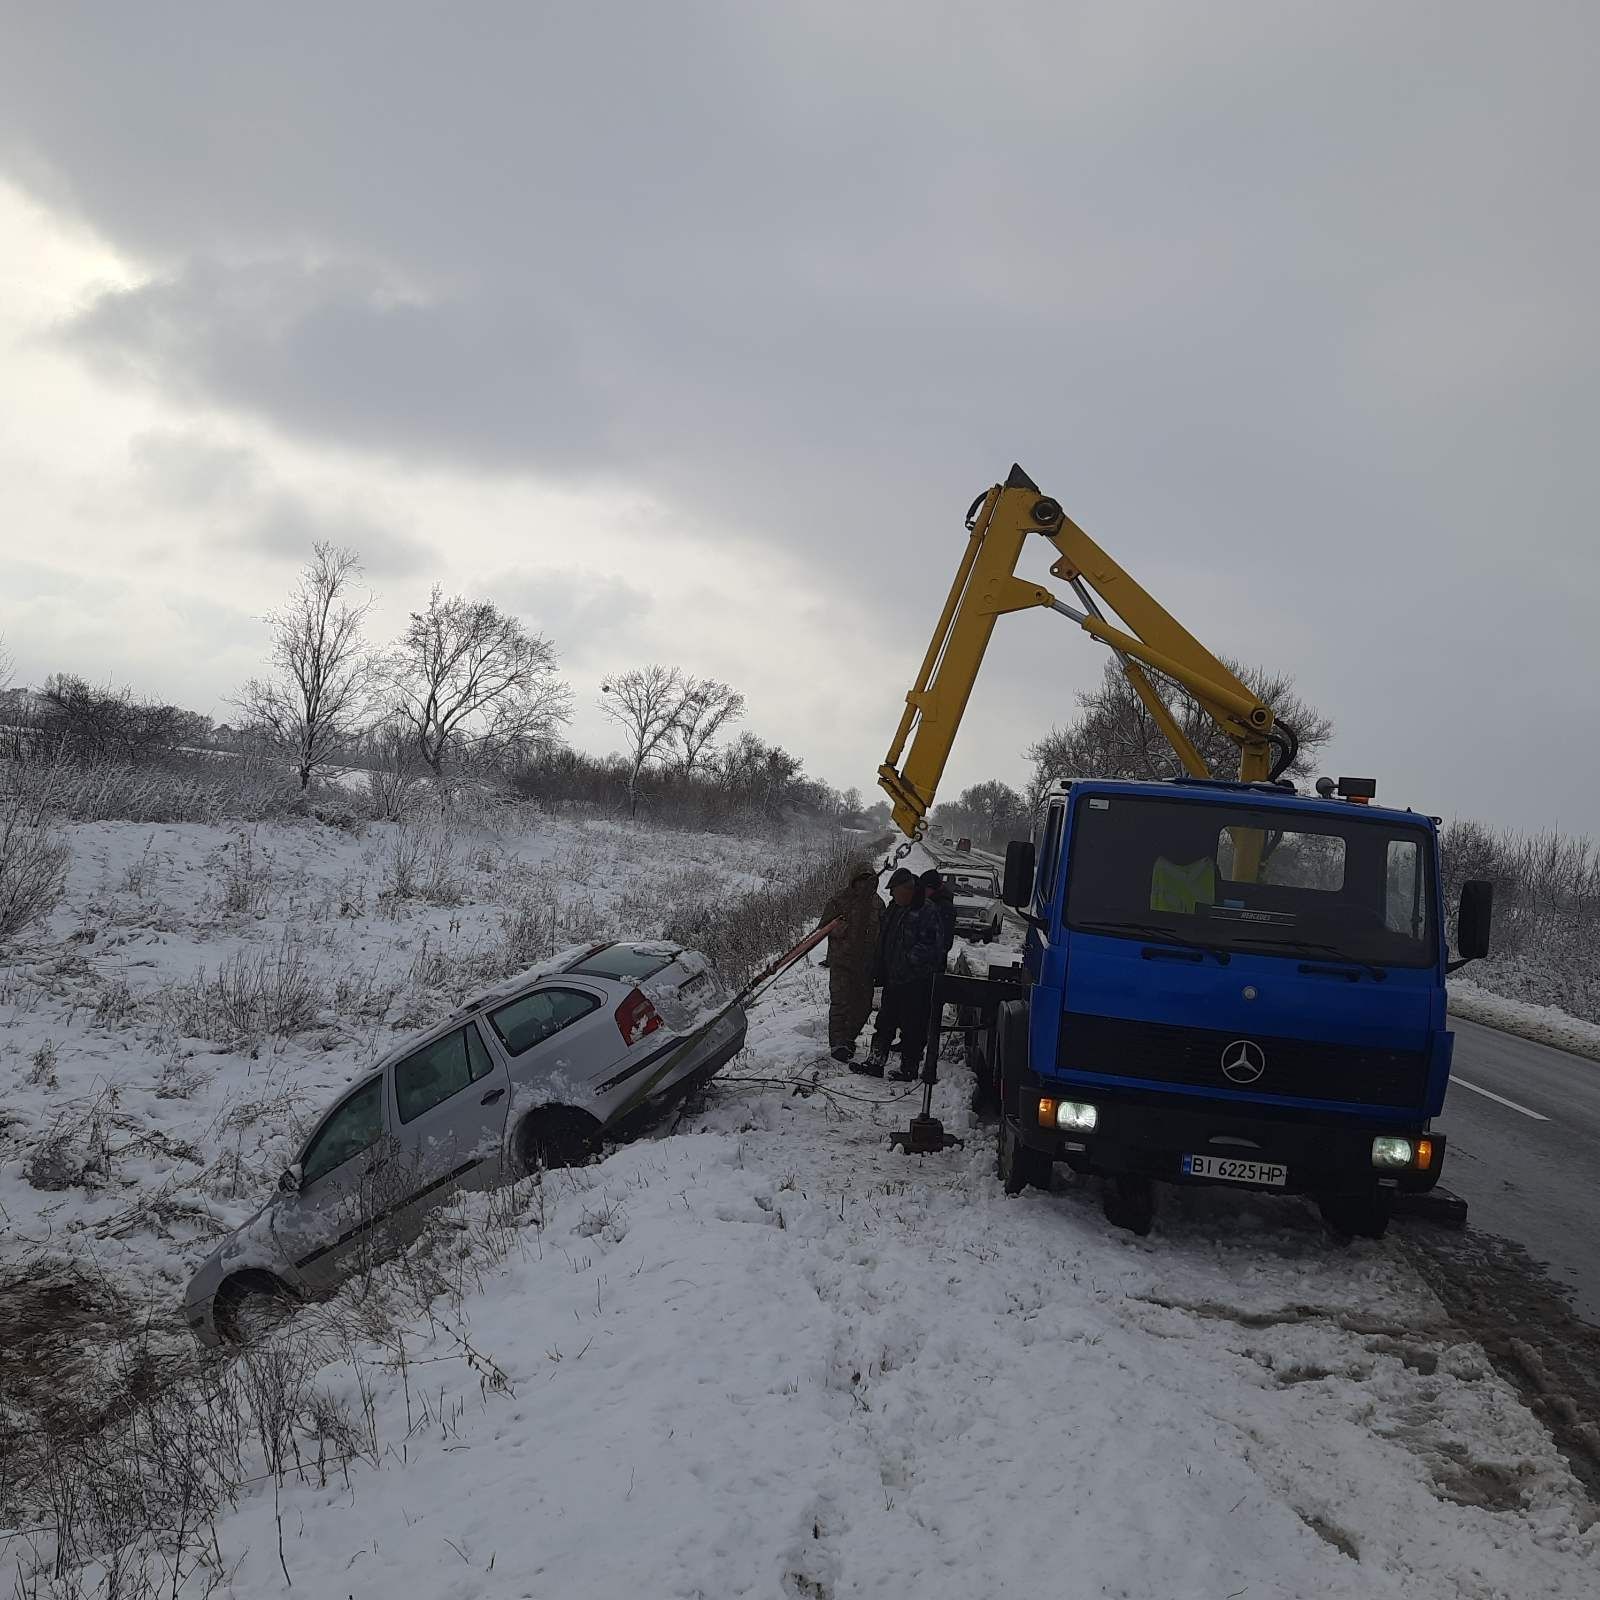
<point>926,1136</point>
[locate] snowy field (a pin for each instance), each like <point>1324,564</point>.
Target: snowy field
<point>202,992</point>
<point>755,1353</point>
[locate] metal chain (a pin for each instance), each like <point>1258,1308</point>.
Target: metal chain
<point>905,849</point>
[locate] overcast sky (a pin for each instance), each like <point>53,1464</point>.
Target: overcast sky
<point>689,331</point>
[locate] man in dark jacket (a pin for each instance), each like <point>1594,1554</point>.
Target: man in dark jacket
<point>910,953</point>
<point>944,905</point>
<point>852,956</point>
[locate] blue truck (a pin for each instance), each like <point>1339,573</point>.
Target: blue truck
<point>1224,980</point>
<point>1174,1022</point>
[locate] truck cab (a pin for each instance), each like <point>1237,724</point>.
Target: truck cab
<point>1230,983</point>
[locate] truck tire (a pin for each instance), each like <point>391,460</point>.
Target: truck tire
<point>1129,1201</point>
<point>1010,1051</point>
<point>1018,1166</point>
<point>1356,1216</point>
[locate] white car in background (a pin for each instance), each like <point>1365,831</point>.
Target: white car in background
<point>976,891</point>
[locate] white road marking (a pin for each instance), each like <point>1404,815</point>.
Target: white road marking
<point>1489,1094</point>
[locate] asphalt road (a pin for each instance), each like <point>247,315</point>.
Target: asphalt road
<point>1528,1163</point>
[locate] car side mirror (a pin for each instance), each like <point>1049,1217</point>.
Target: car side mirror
<point>1472,921</point>
<point>1017,887</point>
<point>290,1179</point>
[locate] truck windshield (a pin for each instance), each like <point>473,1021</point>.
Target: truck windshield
<point>1327,888</point>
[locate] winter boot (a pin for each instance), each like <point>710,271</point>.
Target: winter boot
<point>873,1066</point>
<point>843,1052</point>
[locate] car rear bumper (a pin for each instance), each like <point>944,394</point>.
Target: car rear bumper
<point>719,1058</point>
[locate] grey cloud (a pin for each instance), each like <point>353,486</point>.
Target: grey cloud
<point>248,508</point>
<point>287,527</point>
<point>1291,307</point>
<point>182,469</point>
<point>337,355</point>
<point>586,615</point>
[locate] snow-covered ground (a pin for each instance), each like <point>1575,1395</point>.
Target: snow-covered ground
<point>203,991</point>
<point>757,1353</point>
<point>1545,1024</point>
<point>764,1356</point>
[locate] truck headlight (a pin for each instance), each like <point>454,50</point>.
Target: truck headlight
<point>1388,1151</point>
<point>1076,1117</point>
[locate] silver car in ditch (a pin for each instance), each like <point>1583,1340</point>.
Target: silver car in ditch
<point>530,1073</point>
<point>976,891</point>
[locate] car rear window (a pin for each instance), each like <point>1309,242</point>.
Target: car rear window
<point>541,1015</point>
<point>623,961</point>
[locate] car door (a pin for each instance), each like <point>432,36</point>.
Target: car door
<point>543,1035</point>
<point>338,1203</point>
<point>448,1109</point>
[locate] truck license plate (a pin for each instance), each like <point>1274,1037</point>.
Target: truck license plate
<point>1231,1171</point>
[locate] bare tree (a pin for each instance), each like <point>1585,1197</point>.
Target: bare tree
<point>992,812</point>
<point>647,703</point>
<point>765,774</point>
<point>310,707</point>
<point>394,770</point>
<point>1114,736</point>
<point>708,708</point>
<point>468,680</point>
<point>90,724</point>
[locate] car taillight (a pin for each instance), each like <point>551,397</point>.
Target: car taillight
<point>636,1017</point>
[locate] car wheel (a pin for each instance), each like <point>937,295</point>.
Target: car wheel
<point>559,1137</point>
<point>249,1306</point>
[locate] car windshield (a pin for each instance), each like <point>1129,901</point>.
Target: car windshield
<point>973,883</point>
<point>624,961</point>
<point>1328,888</point>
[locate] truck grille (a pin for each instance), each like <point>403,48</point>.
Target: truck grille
<point>1293,1068</point>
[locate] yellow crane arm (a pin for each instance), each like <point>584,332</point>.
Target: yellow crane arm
<point>986,587</point>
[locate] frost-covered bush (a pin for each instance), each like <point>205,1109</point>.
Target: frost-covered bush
<point>740,933</point>
<point>33,868</point>
<point>1545,944</point>
<point>255,994</point>
<point>212,787</point>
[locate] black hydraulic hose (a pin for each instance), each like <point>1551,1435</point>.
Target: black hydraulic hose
<point>1287,743</point>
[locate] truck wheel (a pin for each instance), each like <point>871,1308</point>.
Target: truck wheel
<point>1355,1216</point>
<point>980,1061</point>
<point>1129,1201</point>
<point>1019,1167</point>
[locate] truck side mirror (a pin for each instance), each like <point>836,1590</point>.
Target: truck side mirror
<point>290,1178</point>
<point>1017,887</point>
<point>1472,921</point>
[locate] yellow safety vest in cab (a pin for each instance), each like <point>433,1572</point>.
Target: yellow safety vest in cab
<point>1178,887</point>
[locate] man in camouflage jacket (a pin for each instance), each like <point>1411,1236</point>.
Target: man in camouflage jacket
<point>852,955</point>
